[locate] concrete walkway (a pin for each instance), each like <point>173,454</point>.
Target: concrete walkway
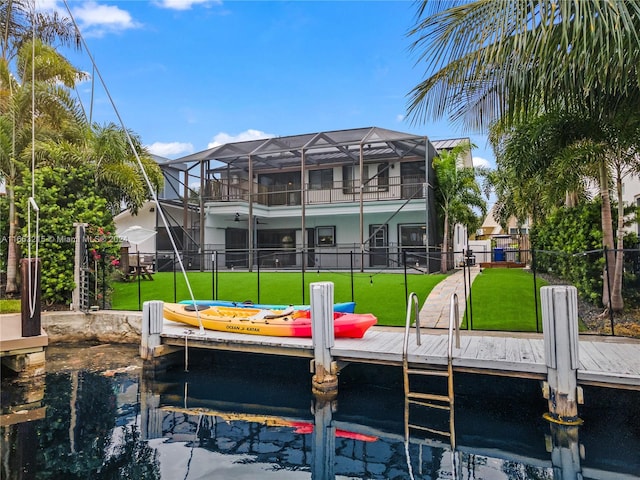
<point>435,311</point>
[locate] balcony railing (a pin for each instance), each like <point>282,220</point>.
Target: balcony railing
<point>393,188</point>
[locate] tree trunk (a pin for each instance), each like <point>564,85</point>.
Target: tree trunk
<point>607,235</point>
<point>12,246</point>
<point>617,301</point>
<point>444,264</point>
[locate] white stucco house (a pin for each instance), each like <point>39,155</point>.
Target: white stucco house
<point>360,198</point>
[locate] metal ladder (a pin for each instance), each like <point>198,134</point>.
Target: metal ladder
<point>423,399</point>
<point>84,286</point>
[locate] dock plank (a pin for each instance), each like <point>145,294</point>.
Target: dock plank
<point>601,360</point>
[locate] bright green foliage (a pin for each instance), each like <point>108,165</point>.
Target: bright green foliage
<point>560,243</point>
<point>65,196</point>
<point>457,193</point>
<point>488,60</point>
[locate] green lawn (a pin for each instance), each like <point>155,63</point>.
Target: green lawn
<point>381,294</point>
<point>503,299</point>
<point>9,306</point>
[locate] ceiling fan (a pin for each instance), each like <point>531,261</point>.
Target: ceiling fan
<point>239,218</point>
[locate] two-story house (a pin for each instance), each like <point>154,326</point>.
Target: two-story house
<point>364,198</point>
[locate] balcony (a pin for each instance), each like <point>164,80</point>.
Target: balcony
<point>393,188</point>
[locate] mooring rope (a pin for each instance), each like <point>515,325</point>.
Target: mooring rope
<point>140,165</point>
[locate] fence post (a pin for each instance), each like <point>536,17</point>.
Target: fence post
<point>466,275</point>
<point>215,259</point>
<point>325,380</point>
<point>535,289</point>
<point>351,270</point>
<point>560,328</point>
<point>406,287</point>
<point>303,287</point>
<point>138,275</point>
<point>258,273</point>
<point>175,280</point>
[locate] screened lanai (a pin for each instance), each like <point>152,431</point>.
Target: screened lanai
<point>298,174</point>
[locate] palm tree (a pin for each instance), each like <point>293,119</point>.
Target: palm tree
<point>457,191</point>
<point>19,21</point>
<point>19,25</point>
<point>109,149</point>
<point>56,111</point>
<point>562,151</point>
<point>505,62</point>
<point>489,60</point>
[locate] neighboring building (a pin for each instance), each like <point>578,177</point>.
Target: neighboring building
<point>631,196</point>
<point>490,227</point>
<point>359,190</point>
<point>493,243</point>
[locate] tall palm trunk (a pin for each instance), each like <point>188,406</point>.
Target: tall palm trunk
<point>617,301</point>
<point>608,274</point>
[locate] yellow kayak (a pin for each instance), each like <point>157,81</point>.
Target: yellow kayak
<point>254,321</point>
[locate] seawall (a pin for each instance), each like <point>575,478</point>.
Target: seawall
<point>105,326</point>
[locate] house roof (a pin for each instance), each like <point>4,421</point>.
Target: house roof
<point>319,148</point>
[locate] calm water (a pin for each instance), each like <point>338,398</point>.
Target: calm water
<point>96,415</point>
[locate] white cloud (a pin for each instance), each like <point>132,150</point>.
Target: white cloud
<point>47,5</point>
<point>481,162</point>
<point>250,134</point>
<point>399,117</point>
<point>170,149</point>
<point>96,20</point>
<point>185,4</point>
<point>93,19</point>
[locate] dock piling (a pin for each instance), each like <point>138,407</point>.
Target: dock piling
<point>152,319</point>
<point>560,327</point>
<point>324,381</point>
<point>30,308</point>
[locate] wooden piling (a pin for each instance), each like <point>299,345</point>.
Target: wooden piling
<point>560,327</point>
<point>152,319</point>
<point>324,381</point>
<point>30,308</point>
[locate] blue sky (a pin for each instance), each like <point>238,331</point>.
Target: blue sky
<point>188,74</point>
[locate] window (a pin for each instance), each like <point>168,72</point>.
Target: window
<point>383,177</point>
<point>350,172</point>
<point>326,236</point>
<point>321,179</point>
<point>348,179</point>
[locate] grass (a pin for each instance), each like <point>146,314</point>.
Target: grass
<point>9,306</point>
<point>503,299</point>
<point>382,294</point>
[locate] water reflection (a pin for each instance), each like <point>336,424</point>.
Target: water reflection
<point>245,417</point>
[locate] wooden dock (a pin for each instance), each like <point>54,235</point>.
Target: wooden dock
<point>25,355</point>
<point>605,361</point>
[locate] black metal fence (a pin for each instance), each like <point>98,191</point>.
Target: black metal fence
<point>583,270</point>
